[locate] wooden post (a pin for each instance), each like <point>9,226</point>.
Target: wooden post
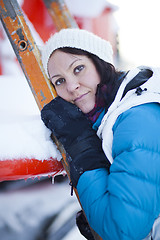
<point>60,14</point>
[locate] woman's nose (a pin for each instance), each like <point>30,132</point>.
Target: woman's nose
<point>72,84</point>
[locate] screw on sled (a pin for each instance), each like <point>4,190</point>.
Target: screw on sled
<point>28,56</point>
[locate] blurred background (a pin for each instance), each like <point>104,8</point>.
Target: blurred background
<point>37,209</point>
<point>138,32</point>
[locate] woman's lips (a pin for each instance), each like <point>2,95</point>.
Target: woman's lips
<point>80,97</point>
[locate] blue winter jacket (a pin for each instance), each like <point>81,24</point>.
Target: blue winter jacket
<point>124,203</point>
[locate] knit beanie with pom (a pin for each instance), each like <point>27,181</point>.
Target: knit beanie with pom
<point>80,39</point>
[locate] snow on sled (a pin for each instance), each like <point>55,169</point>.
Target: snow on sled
<point>26,149</point>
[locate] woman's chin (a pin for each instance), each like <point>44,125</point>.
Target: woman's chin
<point>86,109</point>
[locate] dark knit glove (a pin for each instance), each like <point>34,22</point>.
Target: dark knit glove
<point>74,131</point>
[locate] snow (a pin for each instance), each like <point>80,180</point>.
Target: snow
<point>24,213</point>
<point>23,134</point>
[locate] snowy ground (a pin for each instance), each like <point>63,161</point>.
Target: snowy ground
<point>39,211</point>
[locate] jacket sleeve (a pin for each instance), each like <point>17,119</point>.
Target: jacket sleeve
<point>124,203</point>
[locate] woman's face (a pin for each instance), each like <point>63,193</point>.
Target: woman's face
<point>75,79</point>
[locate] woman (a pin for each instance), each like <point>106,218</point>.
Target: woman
<point>119,185</point>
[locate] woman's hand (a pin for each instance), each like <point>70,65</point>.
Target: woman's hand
<point>74,131</point>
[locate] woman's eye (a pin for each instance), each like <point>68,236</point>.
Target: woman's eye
<point>78,69</point>
<point>59,81</point>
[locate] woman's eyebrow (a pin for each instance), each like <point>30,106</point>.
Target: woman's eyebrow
<point>74,62</point>
<point>58,75</point>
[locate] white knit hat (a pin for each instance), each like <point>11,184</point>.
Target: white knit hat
<point>77,38</point>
